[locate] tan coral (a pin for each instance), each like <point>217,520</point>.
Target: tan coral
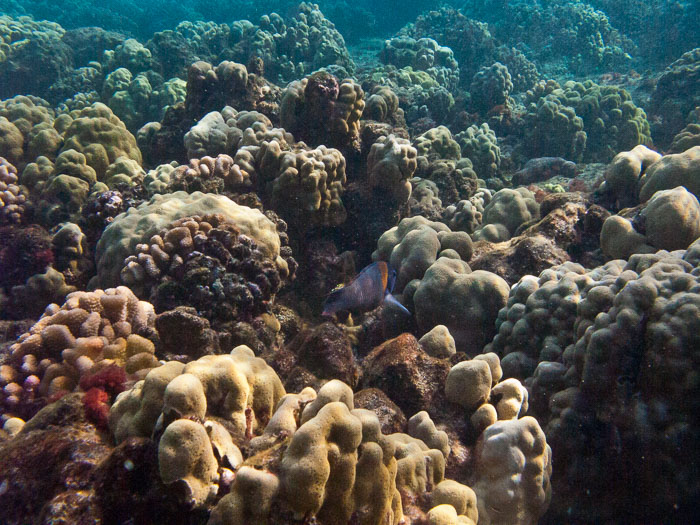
<point>422,427</point>
<point>390,165</point>
<point>619,239</point>
<point>99,134</point>
<point>250,500</point>
<point>483,417</point>
<point>512,399</point>
<point>624,171</point>
<point>285,420</point>
<point>680,169</point>
<point>438,342</point>
<point>319,465</point>
<point>139,224</point>
<point>445,514</point>
<point>513,466</point>
<point>672,219</point>
<point>186,458</point>
<point>459,496</point>
<point>238,387</point>
<point>80,337</point>
<point>469,383</point>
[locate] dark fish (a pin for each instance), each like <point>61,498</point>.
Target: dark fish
<point>369,289</point>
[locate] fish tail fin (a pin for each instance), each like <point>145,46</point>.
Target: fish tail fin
<point>388,298</point>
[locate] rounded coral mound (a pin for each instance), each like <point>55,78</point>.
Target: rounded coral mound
<point>13,199</point>
<point>599,349</point>
<point>680,169</point>
<point>207,263</point>
<point>139,224</point>
<point>99,134</point>
<point>466,302</point>
<point>320,109</point>
<point>391,162</point>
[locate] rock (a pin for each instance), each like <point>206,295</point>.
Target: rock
<point>409,376</point>
<point>391,418</point>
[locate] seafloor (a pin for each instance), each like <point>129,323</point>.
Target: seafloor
<point>183,184</point>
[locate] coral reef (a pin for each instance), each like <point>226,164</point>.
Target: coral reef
<point>322,109</point>
<point>139,224</point>
<point>183,187</point>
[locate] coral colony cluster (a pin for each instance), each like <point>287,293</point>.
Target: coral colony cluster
<point>178,197</point>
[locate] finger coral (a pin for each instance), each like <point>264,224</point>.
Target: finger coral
<point>88,333</point>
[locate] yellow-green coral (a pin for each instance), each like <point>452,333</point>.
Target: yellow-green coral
<point>99,134</point>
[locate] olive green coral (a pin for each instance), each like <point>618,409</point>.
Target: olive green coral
<point>466,302</point>
<point>390,165</point>
<point>99,134</point>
